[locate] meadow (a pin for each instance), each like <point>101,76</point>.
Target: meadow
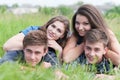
<point>12,24</point>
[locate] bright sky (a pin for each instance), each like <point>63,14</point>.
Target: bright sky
<point>56,2</point>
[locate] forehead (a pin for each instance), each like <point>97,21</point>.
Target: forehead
<point>59,24</point>
<point>81,18</point>
<point>94,44</point>
<point>35,47</point>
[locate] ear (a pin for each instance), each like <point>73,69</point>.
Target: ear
<point>106,49</point>
<point>84,45</point>
<point>45,51</point>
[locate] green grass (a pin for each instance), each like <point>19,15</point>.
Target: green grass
<point>11,25</point>
<point>114,25</point>
<point>10,72</point>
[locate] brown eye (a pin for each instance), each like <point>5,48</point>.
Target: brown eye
<point>53,26</point>
<point>97,49</point>
<point>28,51</point>
<point>88,48</point>
<point>59,30</point>
<point>86,23</point>
<point>77,23</point>
<point>37,52</point>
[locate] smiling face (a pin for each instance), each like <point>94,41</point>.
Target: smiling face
<point>55,30</point>
<point>82,25</point>
<point>33,54</point>
<point>94,51</point>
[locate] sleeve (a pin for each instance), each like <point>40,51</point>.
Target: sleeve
<point>10,56</point>
<point>30,28</point>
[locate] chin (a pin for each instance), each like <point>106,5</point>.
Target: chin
<point>49,38</point>
<point>33,65</point>
<point>82,35</point>
<point>92,62</point>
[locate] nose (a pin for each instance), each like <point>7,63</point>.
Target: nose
<point>80,27</point>
<point>92,53</point>
<point>33,56</point>
<point>53,30</point>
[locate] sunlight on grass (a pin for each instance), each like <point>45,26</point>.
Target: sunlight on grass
<point>11,25</point>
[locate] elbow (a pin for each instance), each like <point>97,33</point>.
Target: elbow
<point>65,57</point>
<point>5,47</point>
<point>118,62</point>
<point>66,60</point>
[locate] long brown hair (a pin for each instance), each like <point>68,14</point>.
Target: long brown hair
<point>94,16</point>
<point>66,23</point>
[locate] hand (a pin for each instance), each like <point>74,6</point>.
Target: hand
<point>60,75</point>
<point>104,77</point>
<point>46,65</point>
<point>53,44</point>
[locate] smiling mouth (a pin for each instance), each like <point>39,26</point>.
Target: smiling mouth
<point>33,62</point>
<point>82,33</point>
<point>91,59</point>
<point>82,30</point>
<point>51,35</point>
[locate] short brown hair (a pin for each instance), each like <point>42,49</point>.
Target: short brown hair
<point>96,35</point>
<point>37,37</point>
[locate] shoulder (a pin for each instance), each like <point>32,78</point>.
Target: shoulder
<point>111,32</point>
<point>30,28</point>
<point>72,40</point>
<point>72,37</point>
<point>112,36</point>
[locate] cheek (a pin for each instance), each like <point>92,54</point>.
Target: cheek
<point>76,27</point>
<point>27,55</point>
<point>88,28</point>
<point>86,51</point>
<point>49,29</point>
<point>58,35</point>
<point>39,57</point>
<point>99,55</point>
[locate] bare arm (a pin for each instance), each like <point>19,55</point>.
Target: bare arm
<point>71,50</point>
<point>53,44</point>
<point>104,77</point>
<point>114,50</point>
<point>14,43</point>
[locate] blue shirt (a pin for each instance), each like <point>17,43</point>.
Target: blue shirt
<point>30,28</point>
